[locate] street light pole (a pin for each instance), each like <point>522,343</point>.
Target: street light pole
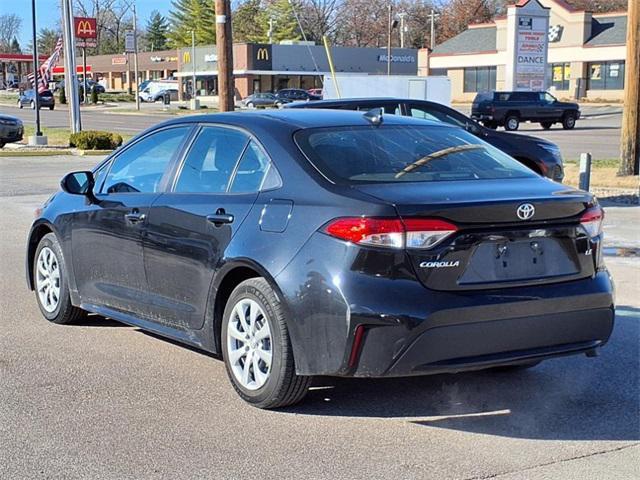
<point>433,29</point>
<point>36,95</point>
<point>389,7</point>
<point>135,56</point>
<point>193,63</point>
<point>402,28</point>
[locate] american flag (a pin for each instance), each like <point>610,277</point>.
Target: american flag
<point>44,72</point>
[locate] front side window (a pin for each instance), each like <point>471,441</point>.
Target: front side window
<point>140,168</point>
<point>389,154</point>
<point>211,161</point>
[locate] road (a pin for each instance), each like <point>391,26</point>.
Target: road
<point>103,400</point>
<point>598,135</point>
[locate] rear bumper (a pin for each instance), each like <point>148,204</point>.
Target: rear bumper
<point>411,330</point>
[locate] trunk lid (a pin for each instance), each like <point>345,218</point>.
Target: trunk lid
<point>493,247</point>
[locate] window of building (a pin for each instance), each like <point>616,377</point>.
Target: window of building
<point>559,74</point>
<point>479,79</point>
<point>605,75</point>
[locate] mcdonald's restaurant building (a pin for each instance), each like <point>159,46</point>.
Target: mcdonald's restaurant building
<point>269,68</point>
<point>585,59</point>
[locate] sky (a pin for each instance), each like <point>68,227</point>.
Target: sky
<point>48,13</point>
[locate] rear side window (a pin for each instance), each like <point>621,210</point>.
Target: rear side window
<point>211,160</point>
<point>139,168</point>
<point>251,170</point>
<point>352,155</point>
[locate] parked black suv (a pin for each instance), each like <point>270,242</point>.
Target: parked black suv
<point>508,109</point>
<point>541,156</point>
<point>294,94</point>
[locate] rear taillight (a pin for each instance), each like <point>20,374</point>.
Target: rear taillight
<point>391,232</point>
<point>591,221</point>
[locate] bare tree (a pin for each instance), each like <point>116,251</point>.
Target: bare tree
<point>363,23</point>
<point>319,18</point>
<point>113,17</point>
<point>10,25</point>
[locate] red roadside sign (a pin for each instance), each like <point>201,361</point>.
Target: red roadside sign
<point>85,27</point>
<point>59,69</point>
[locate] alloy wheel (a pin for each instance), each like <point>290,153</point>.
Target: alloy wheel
<point>249,344</point>
<point>48,279</point>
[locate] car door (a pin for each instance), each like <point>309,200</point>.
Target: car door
<point>548,109</point>
<point>107,236</point>
<point>191,226</point>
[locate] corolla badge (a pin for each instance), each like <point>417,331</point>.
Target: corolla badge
<point>440,264</point>
<point>525,211</point>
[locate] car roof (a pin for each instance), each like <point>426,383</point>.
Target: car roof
<point>350,101</point>
<point>297,119</point>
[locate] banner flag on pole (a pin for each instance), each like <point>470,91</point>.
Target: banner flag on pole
<point>46,68</point>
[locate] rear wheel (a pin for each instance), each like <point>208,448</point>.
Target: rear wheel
<point>546,125</point>
<point>32,105</point>
<point>52,284</point>
<point>20,104</point>
<point>569,121</point>
<point>51,107</point>
<point>257,351</point>
<point>511,123</point>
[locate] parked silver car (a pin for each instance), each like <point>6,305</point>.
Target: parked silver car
<point>261,100</point>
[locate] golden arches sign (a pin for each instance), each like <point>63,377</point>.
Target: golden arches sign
<point>262,54</point>
<point>186,57</point>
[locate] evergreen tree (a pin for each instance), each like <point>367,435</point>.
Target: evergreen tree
<point>192,15</point>
<point>285,25</point>
<point>156,34</point>
<point>15,46</point>
<point>47,39</point>
<point>246,27</point>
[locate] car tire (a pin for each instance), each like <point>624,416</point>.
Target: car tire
<point>20,106</point>
<point>251,105</point>
<point>511,123</point>
<point>51,107</point>
<point>491,125</point>
<point>569,121</point>
<point>546,125</point>
<point>51,283</point>
<point>32,105</point>
<point>258,355</point>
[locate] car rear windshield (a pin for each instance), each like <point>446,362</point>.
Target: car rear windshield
<point>407,153</point>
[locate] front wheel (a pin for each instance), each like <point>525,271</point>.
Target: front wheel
<point>511,123</point>
<point>52,284</point>
<point>20,106</point>
<point>251,105</point>
<point>569,121</point>
<point>51,107</point>
<point>33,105</point>
<point>257,351</point>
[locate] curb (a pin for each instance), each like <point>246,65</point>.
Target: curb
<point>26,152</point>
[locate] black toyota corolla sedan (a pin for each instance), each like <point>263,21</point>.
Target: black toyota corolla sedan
<point>299,243</point>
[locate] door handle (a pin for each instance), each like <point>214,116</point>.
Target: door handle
<point>135,217</point>
<point>220,218</point>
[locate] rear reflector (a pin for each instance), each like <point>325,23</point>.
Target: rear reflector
<point>591,221</point>
<point>391,232</point>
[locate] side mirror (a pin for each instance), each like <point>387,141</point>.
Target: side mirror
<point>78,183</point>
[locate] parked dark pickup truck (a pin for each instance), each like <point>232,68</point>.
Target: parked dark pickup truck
<point>508,109</point>
<point>541,156</point>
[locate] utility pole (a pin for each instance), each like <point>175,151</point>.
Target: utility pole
<point>629,140</point>
<point>225,56</point>
<point>432,16</point>
<point>135,56</point>
<point>270,31</point>
<point>390,8</point>
<point>402,28</point>
<point>36,95</point>
<point>70,75</point>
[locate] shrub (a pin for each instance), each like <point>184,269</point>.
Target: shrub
<point>94,96</point>
<point>63,96</point>
<point>95,140</point>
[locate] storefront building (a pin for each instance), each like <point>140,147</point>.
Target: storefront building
<point>269,68</point>
<point>15,67</point>
<point>586,55</point>
<point>117,71</point>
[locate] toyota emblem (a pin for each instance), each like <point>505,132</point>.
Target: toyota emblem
<point>525,211</point>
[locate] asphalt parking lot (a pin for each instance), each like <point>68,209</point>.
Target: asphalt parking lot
<point>103,400</point>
